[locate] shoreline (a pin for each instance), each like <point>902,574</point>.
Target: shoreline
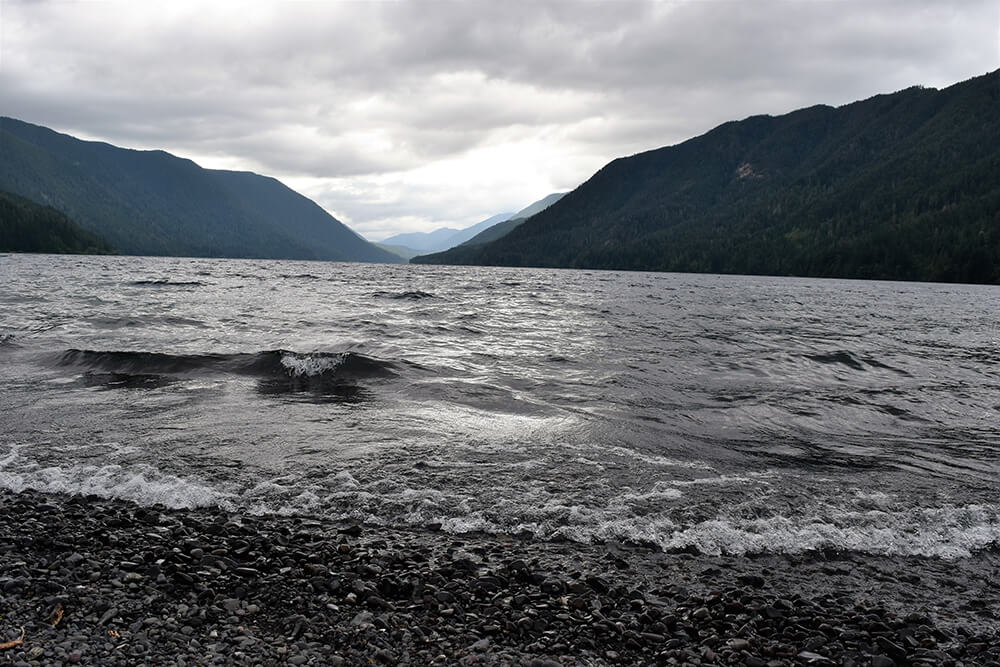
<point>106,582</point>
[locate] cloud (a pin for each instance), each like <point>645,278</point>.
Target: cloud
<point>402,115</point>
<point>505,176</point>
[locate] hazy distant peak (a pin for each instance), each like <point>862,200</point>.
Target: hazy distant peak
<point>416,243</point>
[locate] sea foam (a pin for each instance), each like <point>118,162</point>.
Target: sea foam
<point>306,365</point>
<point>145,487</point>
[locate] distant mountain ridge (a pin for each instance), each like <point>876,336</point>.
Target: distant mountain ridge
<point>487,230</point>
<point>500,229</point>
<point>154,203</point>
<point>899,186</point>
<point>439,239</point>
<point>421,240</point>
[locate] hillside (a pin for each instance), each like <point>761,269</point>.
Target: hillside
<point>26,226</point>
<point>400,251</point>
<point>154,203</point>
<point>469,232</point>
<point>500,229</point>
<point>900,186</point>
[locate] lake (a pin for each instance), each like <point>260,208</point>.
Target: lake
<point>717,414</point>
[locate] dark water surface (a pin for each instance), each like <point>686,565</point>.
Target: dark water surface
<point>720,413</point>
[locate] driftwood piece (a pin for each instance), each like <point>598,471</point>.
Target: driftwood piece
<point>56,615</point>
<point>16,642</point>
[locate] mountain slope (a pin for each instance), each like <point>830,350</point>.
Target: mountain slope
<point>154,203</point>
<point>26,226</point>
<point>538,206</point>
<point>469,232</point>
<point>899,186</point>
<point>498,230</point>
<point>399,250</point>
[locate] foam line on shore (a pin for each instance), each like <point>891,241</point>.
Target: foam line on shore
<point>167,585</point>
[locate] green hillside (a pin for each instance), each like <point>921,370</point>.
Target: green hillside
<point>154,203</point>
<point>29,227</point>
<point>899,186</point>
<point>503,228</point>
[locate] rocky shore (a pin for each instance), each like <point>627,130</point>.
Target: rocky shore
<point>100,582</point>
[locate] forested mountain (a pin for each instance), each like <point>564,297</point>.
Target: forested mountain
<point>469,232</point>
<point>26,226</point>
<point>154,203</point>
<point>900,186</point>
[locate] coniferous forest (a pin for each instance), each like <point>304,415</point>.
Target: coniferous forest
<point>901,186</point>
<point>29,227</point>
<point>155,203</point>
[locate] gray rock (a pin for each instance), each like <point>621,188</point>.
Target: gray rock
<point>363,618</point>
<point>701,614</point>
<point>553,586</point>
<point>314,569</point>
<point>893,650</point>
<point>738,644</point>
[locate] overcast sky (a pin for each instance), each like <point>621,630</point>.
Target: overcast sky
<point>408,116</point>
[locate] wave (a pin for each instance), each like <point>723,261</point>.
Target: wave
<point>947,532</point>
<point>412,295</point>
<point>340,363</point>
<point>299,276</point>
<point>137,321</point>
<point>166,282</point>
<point>277,371</point>
<point>845,358</point>
<point>136,362</point>
<point>142,484</point>
<point>270,362</point>
<point>841,357</point>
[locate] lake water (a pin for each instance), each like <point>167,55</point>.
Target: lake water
<point>723,414</point>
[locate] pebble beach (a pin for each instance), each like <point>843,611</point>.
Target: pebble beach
<point>92,581</point>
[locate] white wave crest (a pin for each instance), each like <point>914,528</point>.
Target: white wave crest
<point>656,460</point>
<point>141,485</point>
<point>307,365</point>
<point>947,532</point>
<point>659,492</point>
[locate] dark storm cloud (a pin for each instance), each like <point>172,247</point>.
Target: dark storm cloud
<point>423,103</point>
